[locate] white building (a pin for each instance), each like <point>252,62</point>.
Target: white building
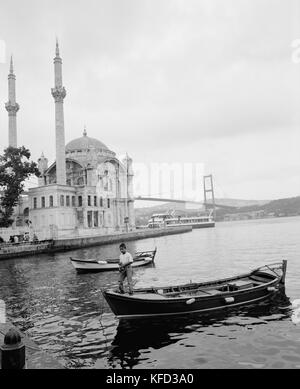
<point>87,190</point>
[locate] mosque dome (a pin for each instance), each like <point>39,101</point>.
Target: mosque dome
<point>86,143</point>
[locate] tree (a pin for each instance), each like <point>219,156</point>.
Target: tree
<point>15,168</point>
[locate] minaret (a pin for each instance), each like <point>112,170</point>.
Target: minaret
<point>130,175</point>
<point>127,161</point>
<point>59,93</point>
<point>12,107</point>
<point>84,131</point>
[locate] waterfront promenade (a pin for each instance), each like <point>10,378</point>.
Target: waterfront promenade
<point>65,244</point>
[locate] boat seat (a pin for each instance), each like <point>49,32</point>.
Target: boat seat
<point>244,284</point>
<point>150,296</point>
<point>213,291</point>
<point>228,287</point>
<point>259,278</point>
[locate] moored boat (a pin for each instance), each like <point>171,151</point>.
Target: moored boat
<point>141,258</point>
<point>161,220</point>
<point>244,289</point>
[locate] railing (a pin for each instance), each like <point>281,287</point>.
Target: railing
<point>5,244</point>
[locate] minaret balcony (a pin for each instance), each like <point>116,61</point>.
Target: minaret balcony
<point>59,93</point>
<point>12,108</point>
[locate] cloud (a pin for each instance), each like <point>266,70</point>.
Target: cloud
<point>154,74</point>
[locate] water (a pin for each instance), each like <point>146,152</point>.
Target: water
<point>66,315</point>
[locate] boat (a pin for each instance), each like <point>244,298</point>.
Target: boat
<point>160,220</point>
<point>141,258</point>
<point>245,289</point>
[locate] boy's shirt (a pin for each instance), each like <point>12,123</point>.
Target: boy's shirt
<point>125,259</point>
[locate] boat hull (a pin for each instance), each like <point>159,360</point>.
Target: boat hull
<point>139,309</point>
<point>82,267</point>
<point>93,266</point>
<point>203,225</point>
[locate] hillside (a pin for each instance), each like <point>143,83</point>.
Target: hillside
<point>241,203</point>
<point>245,209</point>
<point>274,208</point>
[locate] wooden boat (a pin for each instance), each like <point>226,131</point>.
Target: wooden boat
<point>249,288</point>
<point>141,258</point>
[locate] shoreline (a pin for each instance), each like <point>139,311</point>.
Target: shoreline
<point>68,244</point>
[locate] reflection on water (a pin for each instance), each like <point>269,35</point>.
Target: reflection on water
<point>65,313</point>
<point>133,337</point>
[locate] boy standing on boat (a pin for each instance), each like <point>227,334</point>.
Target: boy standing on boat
<point>125,269</point>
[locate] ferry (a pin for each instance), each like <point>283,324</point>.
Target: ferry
<point>160,220</point>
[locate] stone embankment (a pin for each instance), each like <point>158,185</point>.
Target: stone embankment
<point>65,244</point>
<point>75,243</point>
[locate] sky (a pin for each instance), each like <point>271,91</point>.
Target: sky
<point>208,82</point>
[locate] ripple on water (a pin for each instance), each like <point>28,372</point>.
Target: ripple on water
<point>65,313</point>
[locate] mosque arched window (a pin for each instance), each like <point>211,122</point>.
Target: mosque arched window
<point>80,181</point>
<point>90,219</point>
<point>50,201</point>
<point>106,181</point>
<point>62,200</point>
<point>96,219</point>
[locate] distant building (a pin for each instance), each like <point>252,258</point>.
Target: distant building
<point>245,215</point>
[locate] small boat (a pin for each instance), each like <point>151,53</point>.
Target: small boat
<point>141,258</point>
<point>245,289</point>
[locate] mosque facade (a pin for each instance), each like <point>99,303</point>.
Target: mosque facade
<point>87,191</point>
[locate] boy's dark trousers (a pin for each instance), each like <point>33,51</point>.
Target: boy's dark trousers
<point>127,272</point>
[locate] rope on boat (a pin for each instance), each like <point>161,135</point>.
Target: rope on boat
<point>273,271</point>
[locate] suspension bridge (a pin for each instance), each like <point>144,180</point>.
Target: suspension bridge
<point>209,197</point>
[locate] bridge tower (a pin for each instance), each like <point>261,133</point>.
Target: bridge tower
<point>209,195</point>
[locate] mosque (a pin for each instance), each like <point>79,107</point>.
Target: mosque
<point>87,191</point>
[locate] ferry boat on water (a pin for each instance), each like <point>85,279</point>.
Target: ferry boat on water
<point>160,220</point>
